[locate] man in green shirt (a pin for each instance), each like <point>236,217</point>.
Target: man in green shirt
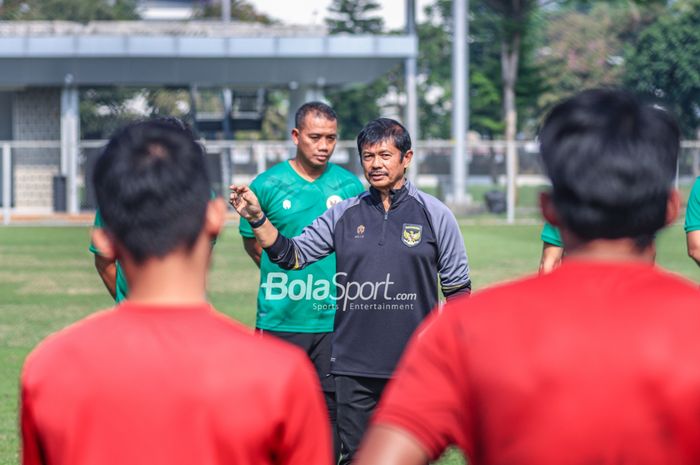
<point>299,305</point>
<point>692,222</point>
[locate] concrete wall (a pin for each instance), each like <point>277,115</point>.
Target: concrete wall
<point>36,116</point>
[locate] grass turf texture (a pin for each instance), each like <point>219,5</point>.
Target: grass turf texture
<point>47,281</point>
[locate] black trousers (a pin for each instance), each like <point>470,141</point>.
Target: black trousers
<point>357,397</point>
<point>318,347</point>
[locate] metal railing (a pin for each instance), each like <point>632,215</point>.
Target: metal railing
<point>32,169</point>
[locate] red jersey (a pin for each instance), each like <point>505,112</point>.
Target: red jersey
<point>593,363</point>
<point>143,384</point>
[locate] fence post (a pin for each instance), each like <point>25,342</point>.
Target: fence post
<point>225,160</point>
<point>6,183</point>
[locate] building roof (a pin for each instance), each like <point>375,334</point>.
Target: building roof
<point>45,53</point>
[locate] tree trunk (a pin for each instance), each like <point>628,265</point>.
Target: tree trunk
<point>510,55</point>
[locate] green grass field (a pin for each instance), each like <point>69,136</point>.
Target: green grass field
<point>47,281</point>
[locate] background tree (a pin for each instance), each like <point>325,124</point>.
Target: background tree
<point>354,17</point>
<point>358,103</point>
<point>665,63</point>
<point>485,83</point>
<point>81,11</point>
<point>241,10</point>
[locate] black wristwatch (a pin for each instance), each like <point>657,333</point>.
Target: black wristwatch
<point>260,222</point>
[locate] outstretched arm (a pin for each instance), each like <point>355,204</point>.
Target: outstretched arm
<point>246,204</point>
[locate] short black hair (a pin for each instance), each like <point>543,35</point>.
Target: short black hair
<point>382,129</point>
<point>152,188</point>
<point>315,108</point>
<point>612,160</point>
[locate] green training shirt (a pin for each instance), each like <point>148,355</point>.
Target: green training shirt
<point>300,301</point>
<point>692,211</point>
<point>551,235</point>
<point>122,288</point>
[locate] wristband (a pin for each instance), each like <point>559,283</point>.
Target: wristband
<point>260,222</point>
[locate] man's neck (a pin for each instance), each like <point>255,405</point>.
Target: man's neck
<point>385,192</point>
<point>305,170</point>
<point>176,279</point>
<point>608,250</point>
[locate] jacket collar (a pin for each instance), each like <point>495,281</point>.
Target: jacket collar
<point>397,195</point>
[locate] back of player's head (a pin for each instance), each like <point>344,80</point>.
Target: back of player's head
<point>152,188</point>
<point>612,161</point>
<point>315,109</point>
<point>382,129</point>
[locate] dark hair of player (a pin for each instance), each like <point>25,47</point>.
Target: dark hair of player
<point>152,188</point>
<point>382,129</point>
<point>316,109</point>
<point>612,161</point>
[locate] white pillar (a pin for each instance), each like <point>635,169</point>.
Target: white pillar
<point>70,139</point>
<point>6,183</point>
<point>459,101</point>
<point>411,93</point>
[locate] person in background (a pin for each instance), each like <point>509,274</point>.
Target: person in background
<point>391,245</point>
<point>692,222</point>
<point>293,194</point>
<point>552,248</point>
<point>163,378</point>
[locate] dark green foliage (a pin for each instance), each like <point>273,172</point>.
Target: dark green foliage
<point>241,10</point>
<point>82,11</point>
<point>354,17</point>
<point>665,63</point>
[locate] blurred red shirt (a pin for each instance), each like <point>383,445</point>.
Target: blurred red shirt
<point>595,363</point>
<point>143,384</point>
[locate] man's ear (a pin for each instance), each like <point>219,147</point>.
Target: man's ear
<point>215,217</point>
<point>549,212</point>
<point>673,206</point>
<point>104,243</point>
<point>407,157</point>
<point>295,136</point>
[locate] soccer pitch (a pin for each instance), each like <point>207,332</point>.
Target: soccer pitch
<point>47,281</point>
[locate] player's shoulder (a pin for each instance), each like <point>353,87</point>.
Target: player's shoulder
<point>430,202</point>
<point>266,352</point>
<point>339,172</point>
<point>272,176</point>
<point>433,206</point>
<point>50,352</point>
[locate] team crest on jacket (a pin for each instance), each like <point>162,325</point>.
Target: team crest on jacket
<point>412,234</point>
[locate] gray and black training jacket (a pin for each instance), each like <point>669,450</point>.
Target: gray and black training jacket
<point>387,263</point>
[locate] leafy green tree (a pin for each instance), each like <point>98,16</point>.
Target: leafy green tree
<point>665,63</point>
<point>485,91</point>
<point>241,10</point>
<point>82,11</point>
<point>583,45</point>
<point>356,104</point>
<point>354,17</point>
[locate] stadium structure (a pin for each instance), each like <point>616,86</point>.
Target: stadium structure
<point>46,63</point>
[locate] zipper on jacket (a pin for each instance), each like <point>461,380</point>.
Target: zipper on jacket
<point>386,218</point>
